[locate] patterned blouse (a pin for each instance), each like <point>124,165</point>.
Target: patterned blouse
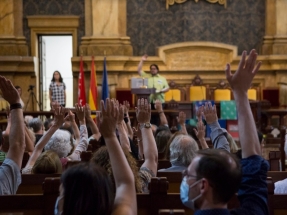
<point>58,92</point>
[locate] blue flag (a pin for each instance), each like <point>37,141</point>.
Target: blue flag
<point>105,85</point>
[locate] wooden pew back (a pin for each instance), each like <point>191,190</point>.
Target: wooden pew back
<point>148,204</point>
<point>33,204</point>
<point>33,183</point>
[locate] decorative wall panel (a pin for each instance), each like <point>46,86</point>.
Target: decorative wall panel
<point>150,25</point>
<point>54,7</point>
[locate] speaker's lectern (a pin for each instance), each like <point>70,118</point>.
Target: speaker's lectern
<point>142,93</point>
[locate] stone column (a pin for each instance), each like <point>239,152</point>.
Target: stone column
<point>15,64</point>
<point>280,38</point>
<point>12,41</point>
<point>105,23</point>
<point>275,39</point>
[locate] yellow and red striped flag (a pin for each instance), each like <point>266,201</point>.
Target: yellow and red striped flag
<point>93,92</point>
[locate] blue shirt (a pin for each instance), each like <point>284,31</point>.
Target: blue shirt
<point>253,191</point>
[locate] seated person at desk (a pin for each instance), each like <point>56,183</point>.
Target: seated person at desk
<point>154,81</point>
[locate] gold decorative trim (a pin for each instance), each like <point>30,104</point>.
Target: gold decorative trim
<point>171,2</point>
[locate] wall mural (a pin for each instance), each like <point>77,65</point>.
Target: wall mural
<point>150,25</point>
<point>54,7</point>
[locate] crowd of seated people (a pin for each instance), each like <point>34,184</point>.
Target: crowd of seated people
<point>109,182</point>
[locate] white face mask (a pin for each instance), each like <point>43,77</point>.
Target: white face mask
<point>57,210</point>
<point>184,194</point>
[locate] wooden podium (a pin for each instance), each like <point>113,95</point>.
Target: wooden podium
<point>142,93</point>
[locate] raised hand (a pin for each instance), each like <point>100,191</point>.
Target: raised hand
<point>158,105</point>
<point>55,105</point>
<point>87,111</point>
<point>70,117</point>
<point>181,118</point>
<point>200,131</point>
<point>126,107</point>
<point>59,116</point>
<point>241,80</point>
<point>108,118</point>
<point>120,118</point>
<point>80,112</point>
<point>9,92</point>
<point>210,113</point>
<point>138,132</point>
<point>144,57</point>
<point>143,112</point>
<point>199,113</point>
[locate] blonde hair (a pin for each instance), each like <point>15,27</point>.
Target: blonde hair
<point>47,163</point>
<point>232,144</point>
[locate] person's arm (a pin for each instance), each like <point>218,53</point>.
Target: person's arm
<point>165,87</point>
<point>158,107</point>
<point>125,199</point>
<point>181,121</point>
<point>240,83</point>
<point>17,132</point>
<point>253,192</point>
<point>164,90</point>
<point>127,119</point>
<point>217,135</point>
<point>124,139</point>
<point>91,122</point>
<point>140,66</point>
<point>137,131</point>
<point>200,133</point>
<point>70,122</point>
<point>83,144</point>
<point>29,143</point>
<point>65,94</point>
<point>59,114</point>
<point>50,94</point>
<point>143,114</point>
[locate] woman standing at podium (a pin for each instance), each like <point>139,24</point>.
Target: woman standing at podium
<point>154,81</point>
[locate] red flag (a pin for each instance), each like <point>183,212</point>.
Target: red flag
<point>93,92</point>
<point>81,85</point>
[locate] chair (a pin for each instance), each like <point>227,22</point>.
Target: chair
<point>124,94</point>
<point>252,94</point>
<point>221,93</point>
<point>271,95</point>
<point>197,92</point>
<point>174,93</point>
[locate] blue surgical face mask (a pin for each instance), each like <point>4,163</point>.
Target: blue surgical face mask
<point>56,210</point>
<point>184,194</point>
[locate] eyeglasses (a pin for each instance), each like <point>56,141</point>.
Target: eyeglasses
<point>185,174</point>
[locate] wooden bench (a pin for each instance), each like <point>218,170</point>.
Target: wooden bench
<point>33,183</point>
<point>148,204</point>
<point>162,164</point>
<point>174,179</point>
<point>33,204</point>
<point>277,175</point>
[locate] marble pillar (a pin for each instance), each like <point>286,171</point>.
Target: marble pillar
<point>15,64</point>
<point>12,41</point>
<point>275,39</point>
<point>105,24</point>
